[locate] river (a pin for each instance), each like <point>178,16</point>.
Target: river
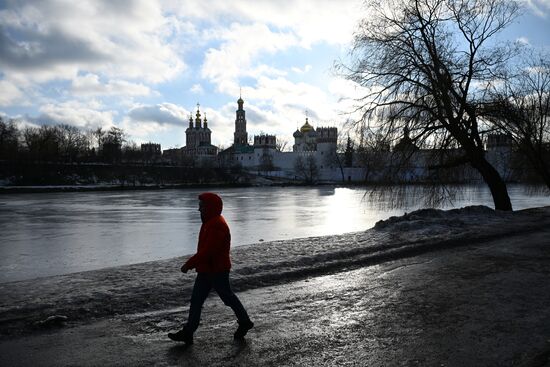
<point>46,234</point>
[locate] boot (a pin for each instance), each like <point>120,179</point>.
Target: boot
<point>243,329</point>
<point>182,336</point>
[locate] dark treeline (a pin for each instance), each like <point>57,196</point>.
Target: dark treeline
<point>122,175</point>
<point>66,155</point>
<point>65,143</point>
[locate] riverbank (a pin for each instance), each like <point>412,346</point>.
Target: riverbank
<point>110,187</point>
<point>465,263</point>
<point>258,181</point>
<point>32,177</point>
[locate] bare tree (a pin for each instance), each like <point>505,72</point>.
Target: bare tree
<point>335,158</point>
<point>348,153</point>
<point>373,153</point>
<point>281,144</point>
<point>42,144</point>
<point>98,136</point>
<point>519,106</point>
<point>266,162</point>
<point>111,144</point>
<point>9,139</point>
<point>72,142</point>
<point>306,169</point>
<point>421,62</point>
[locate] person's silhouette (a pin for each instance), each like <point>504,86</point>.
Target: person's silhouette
<point>212,263</point>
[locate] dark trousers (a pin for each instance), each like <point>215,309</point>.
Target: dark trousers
<point>203,284</point>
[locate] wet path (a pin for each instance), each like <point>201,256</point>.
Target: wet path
<point>481,305</point>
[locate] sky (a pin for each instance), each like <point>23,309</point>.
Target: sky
<point>143,65</point>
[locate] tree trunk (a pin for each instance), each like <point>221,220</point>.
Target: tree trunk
<point>494,181</point>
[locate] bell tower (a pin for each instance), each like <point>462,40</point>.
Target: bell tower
<point>240,136</point>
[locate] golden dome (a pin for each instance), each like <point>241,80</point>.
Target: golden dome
<point>306,127</point>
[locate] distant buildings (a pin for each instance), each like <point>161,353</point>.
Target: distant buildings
<point>314,150</point>
<point>314,155</point>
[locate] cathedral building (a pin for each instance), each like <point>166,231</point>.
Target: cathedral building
<point>198,143</point>
<point>198,138</point>
<point>307,139</point>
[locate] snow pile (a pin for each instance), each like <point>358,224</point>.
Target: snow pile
<point>158,285</point>
<point>425,223</point>
<point>406,235</point>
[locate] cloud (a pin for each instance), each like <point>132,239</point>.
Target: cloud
<point>197,89</point>
<point>90,85</point>
<point>46,40</point>
<point>540,8</point>
<point>523,41</point>
<point>144,132</point>
<point>38,50</point>
<point>287,95</point>
<point>89,116</point>
<point>312,21</point>
<point>297,70</point>
<point>163,113</point>
<point>10,94</point>
<point>221,122</point>
<point>234,58</point>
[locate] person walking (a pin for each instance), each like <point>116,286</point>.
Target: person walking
<point>212,263</point>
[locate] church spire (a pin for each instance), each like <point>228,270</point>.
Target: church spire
<point>240,102</point>
<point>198,118</point>
<point>240,136</point>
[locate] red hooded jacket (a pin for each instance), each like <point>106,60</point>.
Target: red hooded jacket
<point>214,238</point>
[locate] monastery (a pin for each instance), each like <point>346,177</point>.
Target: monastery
<point>314,156</point>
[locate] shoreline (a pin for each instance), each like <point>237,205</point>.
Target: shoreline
<point>30,189</point>
<point>87,188</point>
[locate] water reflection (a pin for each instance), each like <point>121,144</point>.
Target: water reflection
<point>327,191</point>
<point>56,233</point>
<point>448,196</point>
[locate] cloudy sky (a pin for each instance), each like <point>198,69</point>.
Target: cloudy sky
<point>144,65</point>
